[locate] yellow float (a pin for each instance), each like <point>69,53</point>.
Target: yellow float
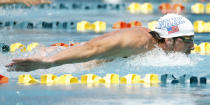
<point>151,79</point>
<point>146,8</point>
<point>134,7</point>
<point>66,79</point>
<point>152,25</point>
<point>26,79</point>
<point>199,26</point>
<point>208,8</point>
<point>203,48</point>
<point>31,46</point>
<point>130,79</point>
<point>197,8</point>
<point>17,46</point>
<point>99,26</point>
<point>207,27</point>
<point>111,79</point>
<point>84,26</point>
<point>90,79</point>
<point>48,79</point>
<point>197,49</point>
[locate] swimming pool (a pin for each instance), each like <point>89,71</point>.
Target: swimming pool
<point>156,62</point>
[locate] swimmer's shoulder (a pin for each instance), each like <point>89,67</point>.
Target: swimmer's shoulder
<point>142,29</point>
<point>141,32</point>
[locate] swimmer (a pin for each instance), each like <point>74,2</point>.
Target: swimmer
<point>26,2</point>
<point>174,33</point>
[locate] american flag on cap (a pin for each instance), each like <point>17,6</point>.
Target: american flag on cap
<point>173,29</point>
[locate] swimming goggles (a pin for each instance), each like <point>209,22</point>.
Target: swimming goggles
<point>187,38</point>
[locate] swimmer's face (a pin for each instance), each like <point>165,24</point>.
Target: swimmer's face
<point>184,44</point>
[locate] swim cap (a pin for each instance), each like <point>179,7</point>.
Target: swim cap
<point>174,25</point>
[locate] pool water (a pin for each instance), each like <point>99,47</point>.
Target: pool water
<point>155,61</point>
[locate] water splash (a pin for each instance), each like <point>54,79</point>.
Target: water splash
<point>155,61</point>
<point>159,58</point>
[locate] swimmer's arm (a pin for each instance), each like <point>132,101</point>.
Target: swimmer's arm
<point>26,2</point>
<point>93,49</point>
<point>6,1</point>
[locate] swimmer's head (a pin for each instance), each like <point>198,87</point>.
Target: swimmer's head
<point>174,25</point>
<point>176,32</point>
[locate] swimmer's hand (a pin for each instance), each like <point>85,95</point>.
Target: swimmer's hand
<point>28,64</point>
<point>33,2</point>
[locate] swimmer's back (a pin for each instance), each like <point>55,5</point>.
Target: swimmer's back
<point>138,33</point>
<point>131,41</point>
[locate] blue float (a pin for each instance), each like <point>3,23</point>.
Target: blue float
<point>175,81</point>
<point>8,24</point>
<point>163,79</point>
<point>25,25</point>
<point>203,80</point>
<point>116,6</point>
<point>101,6</point>
<point>193,80</point>
<point>1,24</point>
<point>76,6</point>
<point>47,25</point>
<point>182,79</point>
<point>87,7</point>
<point>63,6</point>
<point>44,6</point>
<point>4,48</point>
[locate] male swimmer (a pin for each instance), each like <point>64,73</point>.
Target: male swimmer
<point>173,33</point>
<point>26,2</point>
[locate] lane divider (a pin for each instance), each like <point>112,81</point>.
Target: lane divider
<point>15,47</point>
<point>65,25</point>
<point>133,7</point>
<point>51,79</point>
<point>67,79</point>
<point>192,80</point>
<point>70,6</point>
<point>200,26</point>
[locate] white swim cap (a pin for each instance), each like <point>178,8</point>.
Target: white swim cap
<point>174,25</point>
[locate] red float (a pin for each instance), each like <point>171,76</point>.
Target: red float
<point>60,44</point>
<point>120,25</point>
<point>3,79</point>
